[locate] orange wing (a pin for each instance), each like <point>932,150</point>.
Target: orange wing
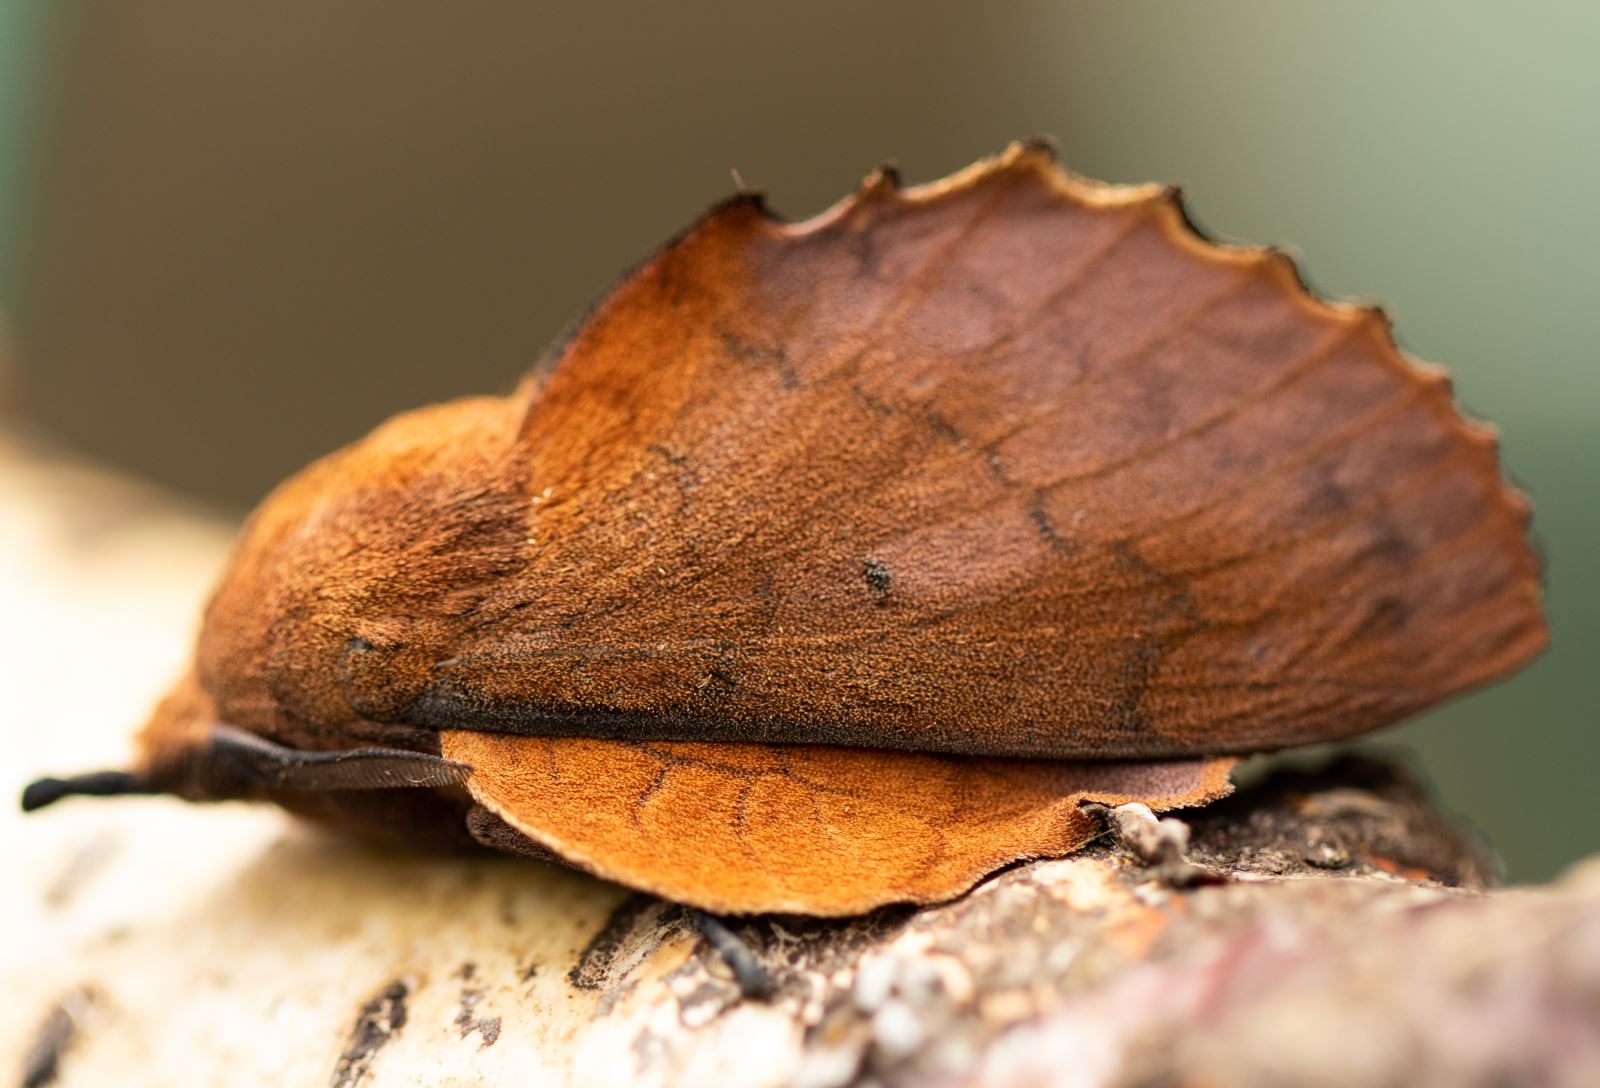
<point>749,828</point>
<point>1015,463</point>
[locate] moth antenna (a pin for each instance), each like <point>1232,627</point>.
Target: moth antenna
<point>47,791</point>
<point>245,759</point>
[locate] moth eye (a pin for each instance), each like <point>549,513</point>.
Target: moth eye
<point>357,643</point>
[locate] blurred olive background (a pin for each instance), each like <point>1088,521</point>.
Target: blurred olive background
<point>236,235</point>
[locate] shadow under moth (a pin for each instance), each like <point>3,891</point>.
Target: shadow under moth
<point>835,564</point>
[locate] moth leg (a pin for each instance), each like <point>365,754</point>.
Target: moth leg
<point>754,979</point>
<point>486,826</point>
<point>752,975</point>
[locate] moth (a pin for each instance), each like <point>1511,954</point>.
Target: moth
<point>835,564</point>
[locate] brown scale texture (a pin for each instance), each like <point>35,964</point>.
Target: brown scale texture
<point>804,829</point>
<point>1010,465</point>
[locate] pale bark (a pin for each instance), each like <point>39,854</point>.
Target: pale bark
<point>1327,928</point>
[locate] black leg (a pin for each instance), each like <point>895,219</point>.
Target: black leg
<point>488,829</point>
<point>753,977</point>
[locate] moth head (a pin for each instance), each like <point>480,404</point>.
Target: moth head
<point>347,579</point>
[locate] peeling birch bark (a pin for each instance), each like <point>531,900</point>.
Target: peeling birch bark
<point>1320,928</point>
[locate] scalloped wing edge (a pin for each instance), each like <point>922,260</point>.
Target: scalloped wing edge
<point>1038,158</point>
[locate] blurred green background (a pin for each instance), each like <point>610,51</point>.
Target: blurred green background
<point>234,236</point>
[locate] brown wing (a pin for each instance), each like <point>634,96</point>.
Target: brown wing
<point>807,829</point>
<point>1015,463</point>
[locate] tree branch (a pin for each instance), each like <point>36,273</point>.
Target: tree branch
<point>1326,927</point>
